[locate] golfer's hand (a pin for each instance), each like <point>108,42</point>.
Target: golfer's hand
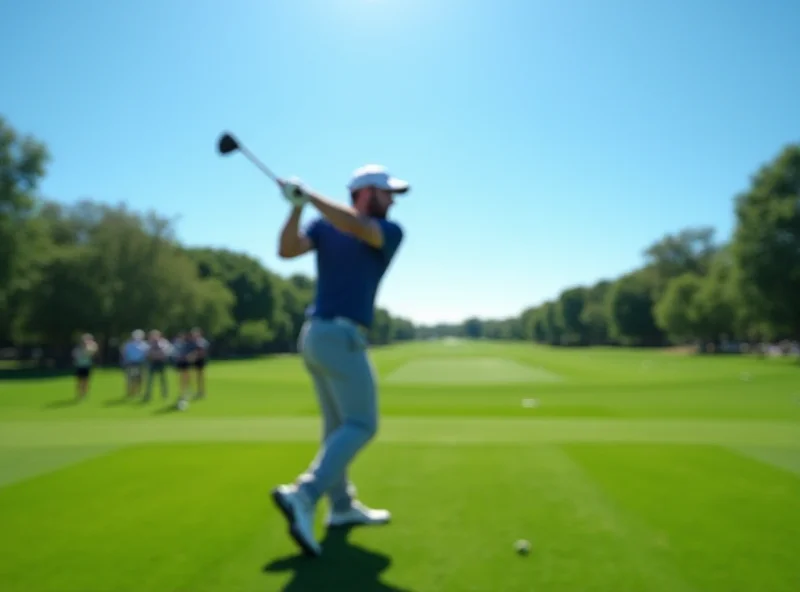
<point>294,191</point>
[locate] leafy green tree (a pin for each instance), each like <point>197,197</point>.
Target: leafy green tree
<point>502,329</point>
<point>257,292</point>
<point>253,336</point>
<point>688,251</point>
<point>536,323</point>
<point>128,272</point>
<point>569,311</point>
<point>213,307</point>
<point>297,292</point>
<point>554,330</point>
<point>473,328</point>
<point>526,319</point>
<point>403,329</point>
<point>540,328</point>
<point>63,304</point>
<point>715,306</point>
<point>630,311</point>
<point>381,331</point>
<point>23,162</point>
<point>674,312</point>
<point>594,315</point>
<point>766,244</point>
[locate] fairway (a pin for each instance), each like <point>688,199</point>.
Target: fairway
<point>468,370</point>
<point>635,471</point>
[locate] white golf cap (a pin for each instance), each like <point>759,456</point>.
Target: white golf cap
<point>375,175</point>
<point>138,334</point>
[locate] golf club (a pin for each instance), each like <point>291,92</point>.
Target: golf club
<point>227,143</point>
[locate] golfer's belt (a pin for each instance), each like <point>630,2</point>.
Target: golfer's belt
<point>344,322</point>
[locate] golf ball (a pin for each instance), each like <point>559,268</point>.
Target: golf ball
<point>522,547</point>
<point>183,404</point>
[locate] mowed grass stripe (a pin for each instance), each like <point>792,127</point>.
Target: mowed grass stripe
<point>395,429</point>
<point>17,464</point>
<point>786,459</point>
<point>639,547</point>
<point>468,370</point>
<point>729,523</point>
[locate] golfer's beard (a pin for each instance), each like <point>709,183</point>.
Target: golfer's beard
<point>375,209</point>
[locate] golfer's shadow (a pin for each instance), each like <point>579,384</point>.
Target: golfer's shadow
<point>124,400</point>
<point>61,404</point>
<point>342,567</point>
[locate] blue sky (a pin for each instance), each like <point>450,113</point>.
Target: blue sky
<point>547,142</point>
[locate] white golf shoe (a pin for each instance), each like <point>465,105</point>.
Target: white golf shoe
<point>357,515</point>
<point>299,513</point>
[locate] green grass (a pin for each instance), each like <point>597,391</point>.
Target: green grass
<point>634,470</point>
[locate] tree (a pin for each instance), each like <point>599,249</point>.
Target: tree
<point>211,307</point>
<point>257,292</point>
<point>674,311</point>
<point>109,270</point>
<point>144,277</point>
<point>570,306</point>
<point>63,303</point>
<point>380,333</point>
<point>630,311</point>
<point>688,251</point>
<point>594,315</point>
<point>23,161</point>
<point>252,336</point>
<point>502,329</point>
<point>715,306</point>
<point>766,244</point>
<point>403,329</point>
<point>297,293</point>
<point>551,324</point>
<point>473,328</point>
<point>259,296</point>
<point>540,330</point>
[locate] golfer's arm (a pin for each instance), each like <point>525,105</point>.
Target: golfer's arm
<point>348,220</point>
<point>292,242</point>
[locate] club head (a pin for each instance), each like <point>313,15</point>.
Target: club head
<point>227,144</point>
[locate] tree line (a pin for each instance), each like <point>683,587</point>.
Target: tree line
<point>107,270</point>
<point>690,287</point>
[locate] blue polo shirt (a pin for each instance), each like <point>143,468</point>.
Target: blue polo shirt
<point>135,352</point>
<point>349,270</point>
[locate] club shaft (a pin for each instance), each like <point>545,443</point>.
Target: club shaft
<point>252,157</point>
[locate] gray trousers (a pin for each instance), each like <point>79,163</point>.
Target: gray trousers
<point>335,355</point>
<point>153,369</point>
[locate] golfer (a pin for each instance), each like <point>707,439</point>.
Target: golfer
<point>354,247</point>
